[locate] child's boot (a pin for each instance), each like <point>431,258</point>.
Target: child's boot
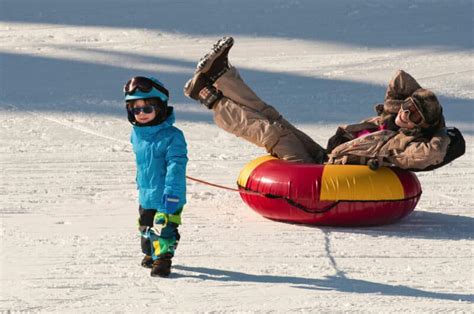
<point>162,266</point>
<point>147,261</point>
<point>212,66</point>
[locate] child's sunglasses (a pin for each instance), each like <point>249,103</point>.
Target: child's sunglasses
<point>145,109</point>
<point>143,84</point>
<point>411,106</point>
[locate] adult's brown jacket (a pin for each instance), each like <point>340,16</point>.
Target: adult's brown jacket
<point>404,148</point>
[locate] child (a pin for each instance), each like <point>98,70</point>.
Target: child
<point>161,158</point>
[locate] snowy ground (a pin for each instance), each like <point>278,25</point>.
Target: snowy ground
<point>68,201</point>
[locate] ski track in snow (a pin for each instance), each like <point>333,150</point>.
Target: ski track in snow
<point>68,208</point>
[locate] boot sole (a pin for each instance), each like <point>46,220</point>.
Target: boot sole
<point>221,46</point>
<point>160,275</point>
<point>200,79</point>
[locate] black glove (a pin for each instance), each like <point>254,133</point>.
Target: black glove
<point>373,164</point>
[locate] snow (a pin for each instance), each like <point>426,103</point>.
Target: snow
<point>68,209</point>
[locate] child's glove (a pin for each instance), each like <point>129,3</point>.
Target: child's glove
<point>160,219</point>
<point>170,203</point>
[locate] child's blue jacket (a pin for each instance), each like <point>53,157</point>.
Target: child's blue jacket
<point>161,157</point>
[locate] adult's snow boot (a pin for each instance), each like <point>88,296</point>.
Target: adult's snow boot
<point>208,96</point>
<point>210,67</point>
<point>216,62</point>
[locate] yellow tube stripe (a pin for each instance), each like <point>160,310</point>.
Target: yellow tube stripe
<point>248,169</point>
<point>359,183</point>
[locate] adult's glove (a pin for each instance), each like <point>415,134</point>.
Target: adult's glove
<point>373,164</point>
<point>170,203</point>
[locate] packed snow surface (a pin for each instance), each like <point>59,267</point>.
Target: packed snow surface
<point>69,238</point>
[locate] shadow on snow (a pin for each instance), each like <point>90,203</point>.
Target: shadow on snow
<point>49,84</point>
<point>372,23</point>
<point>338,283</point>
<point>419,224</point>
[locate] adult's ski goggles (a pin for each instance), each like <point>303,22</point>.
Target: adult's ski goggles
<point>144,85</point>
<point>412,108</point>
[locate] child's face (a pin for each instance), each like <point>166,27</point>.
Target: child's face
<point>141,116</point>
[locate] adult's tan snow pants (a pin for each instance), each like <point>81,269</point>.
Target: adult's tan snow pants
<point>242,113</point>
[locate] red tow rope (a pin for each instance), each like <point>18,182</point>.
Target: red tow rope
<point>212,184</point>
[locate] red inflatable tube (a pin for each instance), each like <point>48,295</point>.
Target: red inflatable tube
<point>331,195</point>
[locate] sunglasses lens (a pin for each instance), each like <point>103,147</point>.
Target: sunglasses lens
<point>146,109</point>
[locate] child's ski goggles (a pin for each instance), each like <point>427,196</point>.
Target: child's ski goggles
<point>144,85</point>
<point>410,105</point>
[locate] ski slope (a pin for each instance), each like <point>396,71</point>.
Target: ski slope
<point>68,208</point>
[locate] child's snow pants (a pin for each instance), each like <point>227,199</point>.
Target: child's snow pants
<point>158,241</point>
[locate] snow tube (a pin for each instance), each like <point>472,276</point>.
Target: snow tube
<point>328,195</point>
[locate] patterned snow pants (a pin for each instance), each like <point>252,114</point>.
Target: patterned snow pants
<point>158,241</point>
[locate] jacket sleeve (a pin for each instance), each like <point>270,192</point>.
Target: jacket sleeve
<point>400,87</point>
<point>176,161</point>
<point>419,155</point>
<point>132,141</point>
